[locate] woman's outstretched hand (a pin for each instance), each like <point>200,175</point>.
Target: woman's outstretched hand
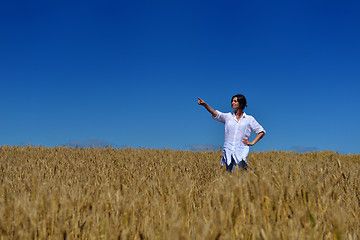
<point>210,110</point>
<point>201,102</point>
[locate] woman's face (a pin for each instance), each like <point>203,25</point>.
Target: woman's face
<point>234,103</point>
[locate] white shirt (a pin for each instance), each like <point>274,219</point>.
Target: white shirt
<point>235,132</point>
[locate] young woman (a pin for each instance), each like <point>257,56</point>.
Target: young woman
<point>238,127</point>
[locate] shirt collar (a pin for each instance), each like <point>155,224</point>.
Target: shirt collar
<point>243,116</point>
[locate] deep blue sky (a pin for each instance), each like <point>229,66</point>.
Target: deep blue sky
<point>127,73</point>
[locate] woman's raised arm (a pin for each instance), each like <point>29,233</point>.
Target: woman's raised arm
<point>210,109</point>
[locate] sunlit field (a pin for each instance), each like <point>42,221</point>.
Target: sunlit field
<point>107,193</point>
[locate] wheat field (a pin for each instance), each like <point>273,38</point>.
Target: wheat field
<point>108,193</point>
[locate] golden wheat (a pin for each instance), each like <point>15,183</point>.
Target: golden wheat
<point>107,193</point>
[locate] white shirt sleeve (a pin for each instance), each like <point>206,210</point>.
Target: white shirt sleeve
<point>256,127</point>
<point>220,117</point>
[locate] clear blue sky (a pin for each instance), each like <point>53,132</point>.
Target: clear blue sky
<point>127,73</point>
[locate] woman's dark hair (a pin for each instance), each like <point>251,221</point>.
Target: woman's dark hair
<point>241,99</point>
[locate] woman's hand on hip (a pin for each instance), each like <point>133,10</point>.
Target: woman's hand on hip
<point>246,142</point>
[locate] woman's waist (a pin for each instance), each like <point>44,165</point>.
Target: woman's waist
<point>234,145</point>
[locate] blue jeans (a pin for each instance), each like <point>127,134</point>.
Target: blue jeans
<point>232,165</point>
